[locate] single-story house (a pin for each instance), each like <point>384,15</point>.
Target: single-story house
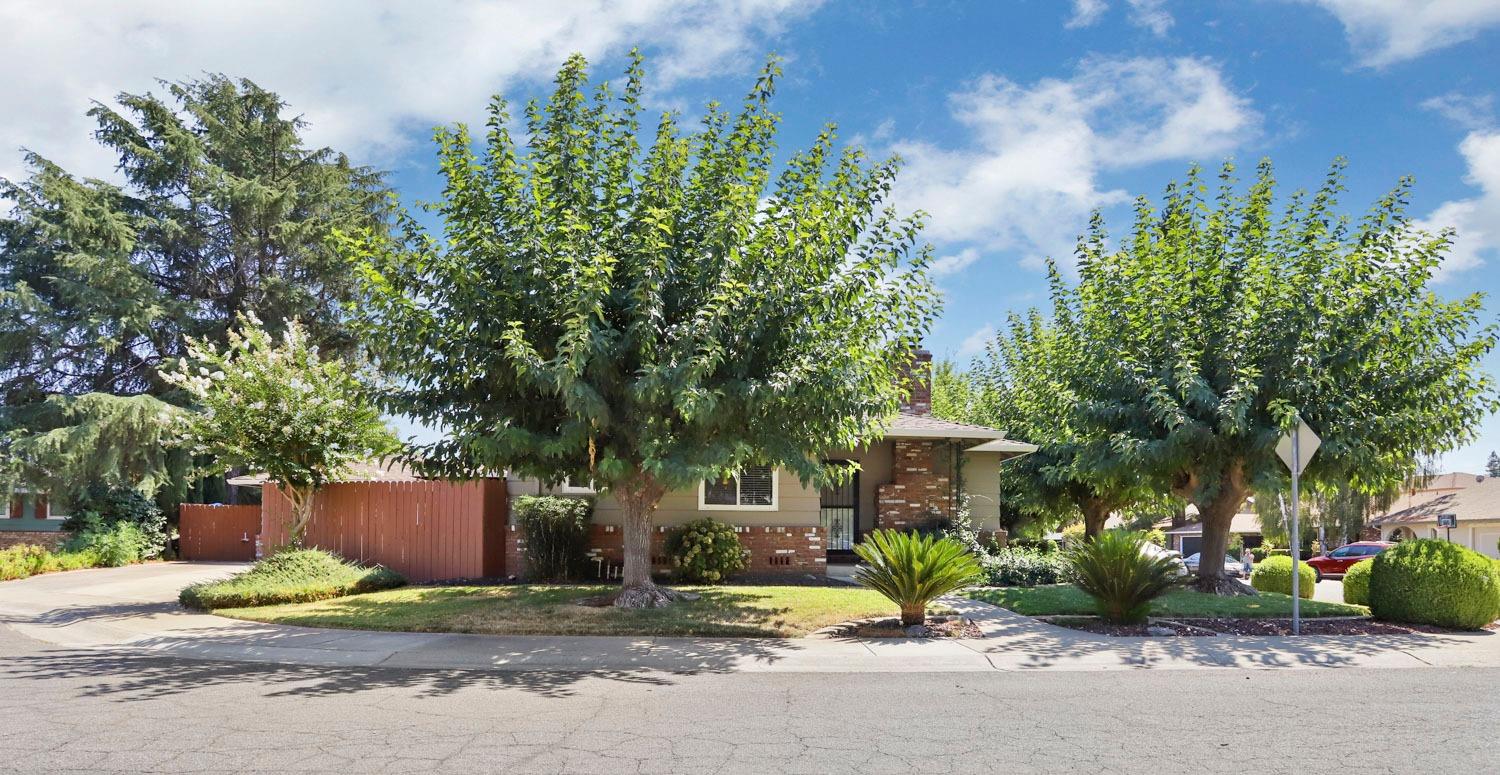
<point>1476,509</point>
<point>914,476</point>
<point>1188,538</point>
<point>31,519</point>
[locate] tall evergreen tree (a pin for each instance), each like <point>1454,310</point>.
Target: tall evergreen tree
<point>223,211</point>
<point>1492,466</point>
<point>649,318</point>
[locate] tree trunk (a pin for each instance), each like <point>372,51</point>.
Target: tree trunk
<point>639,497</point>
<point>301,498</point>
<point>1095,514</point>
<point>1216,514</point>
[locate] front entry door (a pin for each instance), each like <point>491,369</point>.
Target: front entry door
<point>839,512</point>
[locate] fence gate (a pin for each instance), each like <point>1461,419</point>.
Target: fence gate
<point>218,533</point>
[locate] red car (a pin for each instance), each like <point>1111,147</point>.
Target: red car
<point>1337,562</point>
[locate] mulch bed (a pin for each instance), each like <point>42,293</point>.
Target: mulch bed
<point>933,627</point>
<point>1195,627</point>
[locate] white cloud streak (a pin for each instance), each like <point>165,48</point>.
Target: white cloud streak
<point>1476,220</point>
<point>975,343</point>
<point>1384,32</point>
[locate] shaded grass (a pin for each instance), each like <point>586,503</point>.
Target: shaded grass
<point>750,611</point>
<point>1066,599</point>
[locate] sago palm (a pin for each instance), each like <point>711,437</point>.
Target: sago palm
<point>912,570</point>
<point>1120,576</point>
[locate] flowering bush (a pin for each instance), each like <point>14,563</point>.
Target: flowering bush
<point>275,407</point>
<point>705,551</point>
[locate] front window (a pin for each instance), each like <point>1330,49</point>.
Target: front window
<point>753,488</point>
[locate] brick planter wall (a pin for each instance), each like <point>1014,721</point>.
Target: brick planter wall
<point>50,539</point>
<point>773,549</point>
<point>920,487</point>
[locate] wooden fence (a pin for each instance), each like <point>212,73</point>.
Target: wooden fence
<point>426,530</point>
<point>218,533</point>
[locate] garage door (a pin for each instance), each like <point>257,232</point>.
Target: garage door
<point>1486,540</point>
<point>1190,545</point>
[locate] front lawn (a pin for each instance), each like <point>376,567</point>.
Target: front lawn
<point>759,611</point>
<point>1066,599</point>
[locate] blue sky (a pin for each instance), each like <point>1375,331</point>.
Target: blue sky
<point>1015,118</point>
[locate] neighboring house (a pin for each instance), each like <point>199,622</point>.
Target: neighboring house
<point>1188,538</point>
<point>31,520</point>
<point>1475,506</point>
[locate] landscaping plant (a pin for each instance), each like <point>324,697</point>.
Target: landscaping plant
<point>556,532</point>
<point>1116,570</point>
<point>1274,574</point>
<point>25,560</point>
<point>912,570</point>
<point>291,576</point>
<point>705,551</point>
<point>111,544</point>
<point>1429,581</point>
<point>1357,583</point>
<point>103,506</point>
<point>1021,567</point>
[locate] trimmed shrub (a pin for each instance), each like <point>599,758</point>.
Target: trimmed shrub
<point>291,576</point>
<point>705,551</point>
<point>912,570</point>
<point>1428,581</point>
<point>112,544</point>
<point>557,535</point>
<point>1357,583</point>
<point>1023,568</point>
<point>1122,579</point>
<point>1274,574</point>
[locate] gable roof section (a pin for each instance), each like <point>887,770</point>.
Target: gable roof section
<point>925,426</point>
<point>1477,502</point>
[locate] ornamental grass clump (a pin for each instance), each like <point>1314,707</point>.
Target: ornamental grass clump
<point>1117,572</point>
<point>912,570</point>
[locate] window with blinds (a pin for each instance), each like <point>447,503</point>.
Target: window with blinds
<point>754,488</point>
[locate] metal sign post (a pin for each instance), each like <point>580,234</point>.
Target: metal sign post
<point>1291,450</point>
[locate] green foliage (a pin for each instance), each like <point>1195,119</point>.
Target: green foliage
<point>104,506</point>
<point>1122,578</point>
<point>1020,567</point>
<point>274,406</point>
<point>557,535</point>
<point>19,562</point>
<point>1274,574</point>
<point>1357,583</point>
<point>1259,553</point>
<point>912,570</point>
<point>1428,581</point>
<point>1158,537</point>
<point>647,317</point>
<point>223,211</point>
<point>1492,465</point>
<point>705,551</point>
<point>112,544</point>
<point>1073,534</point>
<point>291,576</point>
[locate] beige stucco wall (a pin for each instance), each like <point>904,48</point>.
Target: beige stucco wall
<point>1479,535</point>
<point>981,480</point>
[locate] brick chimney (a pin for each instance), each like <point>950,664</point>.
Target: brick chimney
<point>919,383</point>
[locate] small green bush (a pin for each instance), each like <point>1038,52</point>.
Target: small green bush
<point>1259,553</point>
<point>912,570</point>
<point>1357,583</point>
<point>1120,576</point>
<point>107,506</point>
<point>113,544</point>
<point>1428,581</point>
<point>291,576</point>
<point>19,562</point>
<point>1274,574</point>
<point>1017,567</point>
<point>705,551</point>
<point>557,535</point>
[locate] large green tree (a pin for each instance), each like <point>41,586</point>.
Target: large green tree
<point>223,210</point>
<point>1220,319</point>
<point>646,317</point>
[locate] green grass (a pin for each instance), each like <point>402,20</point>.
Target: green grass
<point>731,611</point>
<point>291,576</point>
<point>1066,599</point>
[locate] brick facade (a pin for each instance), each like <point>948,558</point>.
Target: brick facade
<point>51,539</point>
<point>772,549</point>
<point>921,486</point>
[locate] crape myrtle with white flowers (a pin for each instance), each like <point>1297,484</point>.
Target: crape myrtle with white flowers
<point>271,405</point>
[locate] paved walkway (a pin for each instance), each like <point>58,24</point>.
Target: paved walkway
<point>135,609</point>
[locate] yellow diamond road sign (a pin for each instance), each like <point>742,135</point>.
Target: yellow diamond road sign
<point>1307,444</point>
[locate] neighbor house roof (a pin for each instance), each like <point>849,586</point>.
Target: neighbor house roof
<point>366,471</point>
<point>1480,501</point>
<point>1419,491</point>
<point>924,426</point>
<point>1244,523</point>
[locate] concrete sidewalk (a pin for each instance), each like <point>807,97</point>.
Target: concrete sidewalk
<point>135,609</point>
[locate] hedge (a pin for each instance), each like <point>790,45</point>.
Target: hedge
<point>1357,583</point>
<point>1429,581</point>
<point>1274,574</point>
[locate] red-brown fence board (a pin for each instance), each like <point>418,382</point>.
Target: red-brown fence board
<point>426,530</point>
<point>218,533</point>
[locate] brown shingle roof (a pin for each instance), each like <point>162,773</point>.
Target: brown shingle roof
<point>1479,501</point>
<point>907,425</point>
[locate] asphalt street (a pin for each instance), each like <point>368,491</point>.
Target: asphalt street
<point>80,711</point>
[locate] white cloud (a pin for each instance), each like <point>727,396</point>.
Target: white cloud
<point>955,263</point>
<point>975,343</point>
<point>1476,220</point>
<point>1467,111</point>
<point>1086,13</point>
<point>1384,32</point>
<point>368,75</point>
<point>1151,14</point>
<point>1029,173</point>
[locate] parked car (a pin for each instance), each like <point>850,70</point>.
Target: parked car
<point>1336,563</point>
<point>1232,567</point>
<point>1152,550</point>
